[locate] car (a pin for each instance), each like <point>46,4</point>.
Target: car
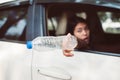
<point>25,20</point>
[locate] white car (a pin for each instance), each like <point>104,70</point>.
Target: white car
<point>24,20</point>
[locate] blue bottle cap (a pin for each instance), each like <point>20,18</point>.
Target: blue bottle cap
<point>29,44</point>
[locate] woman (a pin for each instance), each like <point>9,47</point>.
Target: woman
<point>78,27</point>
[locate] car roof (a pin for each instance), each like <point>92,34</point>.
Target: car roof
<point>105,3</point>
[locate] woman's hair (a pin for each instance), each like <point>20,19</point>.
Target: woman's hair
<point>72,22</point>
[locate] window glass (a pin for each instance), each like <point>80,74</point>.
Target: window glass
<point>110,22</point>
<point>12,24</point>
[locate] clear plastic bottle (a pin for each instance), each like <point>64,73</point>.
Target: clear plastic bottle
<point>41,43</point>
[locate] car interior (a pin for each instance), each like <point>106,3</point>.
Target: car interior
<point>100,40</point>
<point>13,23</point>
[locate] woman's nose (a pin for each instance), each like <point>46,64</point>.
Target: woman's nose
<point>84,32</point>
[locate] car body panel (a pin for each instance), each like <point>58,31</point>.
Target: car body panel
<point>19,63</point>
<point>12,62</point>
<point>82,66</point>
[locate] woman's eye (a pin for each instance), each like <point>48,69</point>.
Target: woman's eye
<point>79,30</point>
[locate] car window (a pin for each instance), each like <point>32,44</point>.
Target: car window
<point>110,21</point>
<point>13,24</point>
<point>104,24</point>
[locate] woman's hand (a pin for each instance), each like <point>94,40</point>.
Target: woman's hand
<point>68,45</point>
<point>68,53</point>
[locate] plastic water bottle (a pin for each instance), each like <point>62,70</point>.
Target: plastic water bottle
<point>41,43</point>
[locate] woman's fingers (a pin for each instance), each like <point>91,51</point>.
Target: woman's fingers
<point>68,53</point>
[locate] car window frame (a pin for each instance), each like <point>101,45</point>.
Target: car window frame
<point>96,19</point>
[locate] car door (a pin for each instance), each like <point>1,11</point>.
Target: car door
<point>20,21</point>
<point>101,62</point>
<point>13,23</point>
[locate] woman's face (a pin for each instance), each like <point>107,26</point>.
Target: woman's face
<point>82,32</point>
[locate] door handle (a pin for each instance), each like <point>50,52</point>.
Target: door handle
<point>54,72</point>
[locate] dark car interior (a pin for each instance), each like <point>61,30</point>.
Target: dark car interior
<point>13,17</point>
<point>100,40</point>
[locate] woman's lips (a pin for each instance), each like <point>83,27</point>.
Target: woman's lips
<point>86,39</point>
